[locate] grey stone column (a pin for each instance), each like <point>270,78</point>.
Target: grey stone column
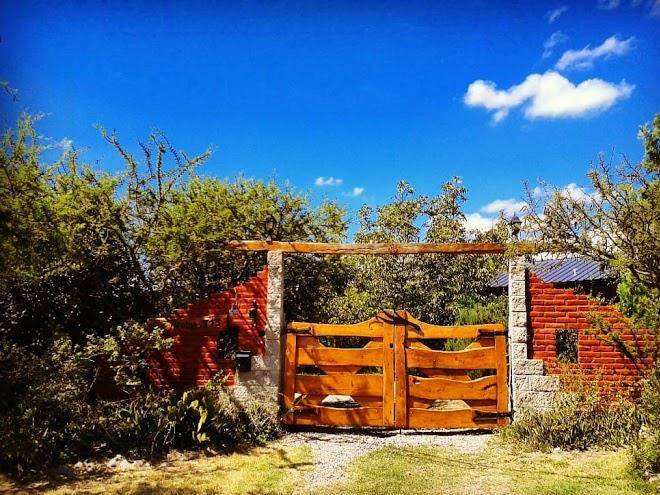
<point>264,380</point>
<point>528,386</point>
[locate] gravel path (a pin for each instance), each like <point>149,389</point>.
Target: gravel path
<point>333,451</point>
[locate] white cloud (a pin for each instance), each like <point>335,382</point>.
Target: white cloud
<point>577,193</point>
<point>609,4</point>
<point>555,39</point>
<point>584,59</point>
<point>357,191</point>
<point>508,206</point>
<point>548,95</point>
<point>554,14</point>
<point>476,221</point>
<point>329,181</point>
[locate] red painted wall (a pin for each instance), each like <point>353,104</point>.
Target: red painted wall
<point>193,359</point>
<point>553,308</point>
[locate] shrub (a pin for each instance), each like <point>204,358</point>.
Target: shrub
<point>42,404</point>
<point>646,448</point>
<point>580,417</point>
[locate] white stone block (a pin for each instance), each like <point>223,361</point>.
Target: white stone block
<point>526,366</point>
<point>517,287</point>
<point>517,351</point>
<point>518,319</point>
<point>544,383</point>
<point>518,334</point>
<point>518,303</point>
<point>532,400</point>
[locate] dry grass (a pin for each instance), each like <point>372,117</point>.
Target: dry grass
<point>281,469</point>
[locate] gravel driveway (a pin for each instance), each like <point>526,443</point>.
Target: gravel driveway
<point>334,450</point>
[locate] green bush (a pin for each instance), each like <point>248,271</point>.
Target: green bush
<point>579,418</point>
<point>49,413</point>
<point>210,416</point>
<point>646,448</point>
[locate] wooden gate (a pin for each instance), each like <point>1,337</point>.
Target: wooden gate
<point>388,372</point>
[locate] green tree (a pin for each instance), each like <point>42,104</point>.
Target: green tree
<point>617,224</point>
<point>431,286</point>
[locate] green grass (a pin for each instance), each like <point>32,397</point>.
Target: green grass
<point>278,469</point>
<point>497,471</point>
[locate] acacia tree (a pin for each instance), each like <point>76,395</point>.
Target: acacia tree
<point>82,251</point>
<point>618,224</point>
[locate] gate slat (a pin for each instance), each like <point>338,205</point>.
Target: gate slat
<point>340,384</point>
<point>333,416</point>
<point>471,359</point>
<point>442,388</point>
<point>332,356</point>
<point>459,418</point>
<point>502,378</point>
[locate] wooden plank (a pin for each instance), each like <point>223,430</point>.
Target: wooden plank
<point>341,384</point>
<point>502,378</point>
<point>289,371</point>
<point>334,416</point>
<point>364,401</point>
<point>370,328</point>
<point>388,375</point>
<point>329,356</point>
<point>483,405</point>
<point>471,359</point>
<point>400,378</point>
<point>423,330</point>
<point>459,418</point>
<point>379,248</point>
<point>442,388</point>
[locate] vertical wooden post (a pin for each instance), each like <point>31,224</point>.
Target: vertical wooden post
<point>400,377</point>
<point>388,374</point>
<point>502,378</point>
<point>289,376</point>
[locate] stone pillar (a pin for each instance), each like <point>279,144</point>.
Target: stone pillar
<point>264,380</point>
<point>529,387</point>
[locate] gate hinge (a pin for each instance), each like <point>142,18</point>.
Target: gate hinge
<point>484,415</point>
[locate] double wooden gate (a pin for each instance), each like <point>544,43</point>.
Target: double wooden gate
<point>389,372</point>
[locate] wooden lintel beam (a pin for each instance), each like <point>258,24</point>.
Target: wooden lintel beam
<point>377,248</point>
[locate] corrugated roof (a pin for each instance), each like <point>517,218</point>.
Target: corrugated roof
<point>569,269</point>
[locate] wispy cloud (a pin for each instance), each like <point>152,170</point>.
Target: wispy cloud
<point>555,39</point>
<point>508,206</point>
<point>328,181</point>
<point>584,58</point>
<point>357,191</point>
<point>655,9</point>
<point>548,95</point>
<point>609,4</point>
<point>554,14</point>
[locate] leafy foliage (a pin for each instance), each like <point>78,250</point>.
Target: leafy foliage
<point>646,448</point>
<point>580,418</point>
<point>430,286</point>
<point>618,224</point>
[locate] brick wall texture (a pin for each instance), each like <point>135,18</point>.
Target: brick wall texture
<point>554,308</point>
<point>194,359</point>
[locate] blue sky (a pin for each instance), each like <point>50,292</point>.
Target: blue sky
<point>367,93</point>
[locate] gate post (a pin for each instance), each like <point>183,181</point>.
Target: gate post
<point>264,380</point>
<point>530,387</point>
<point>517,328</point>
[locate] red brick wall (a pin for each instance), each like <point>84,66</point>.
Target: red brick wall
<point>553,308</point>
<point>193,359</point>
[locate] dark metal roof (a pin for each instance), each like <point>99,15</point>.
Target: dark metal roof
<point>570,269</point>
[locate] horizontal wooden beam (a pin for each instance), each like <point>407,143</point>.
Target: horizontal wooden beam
<point>378,248</point>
